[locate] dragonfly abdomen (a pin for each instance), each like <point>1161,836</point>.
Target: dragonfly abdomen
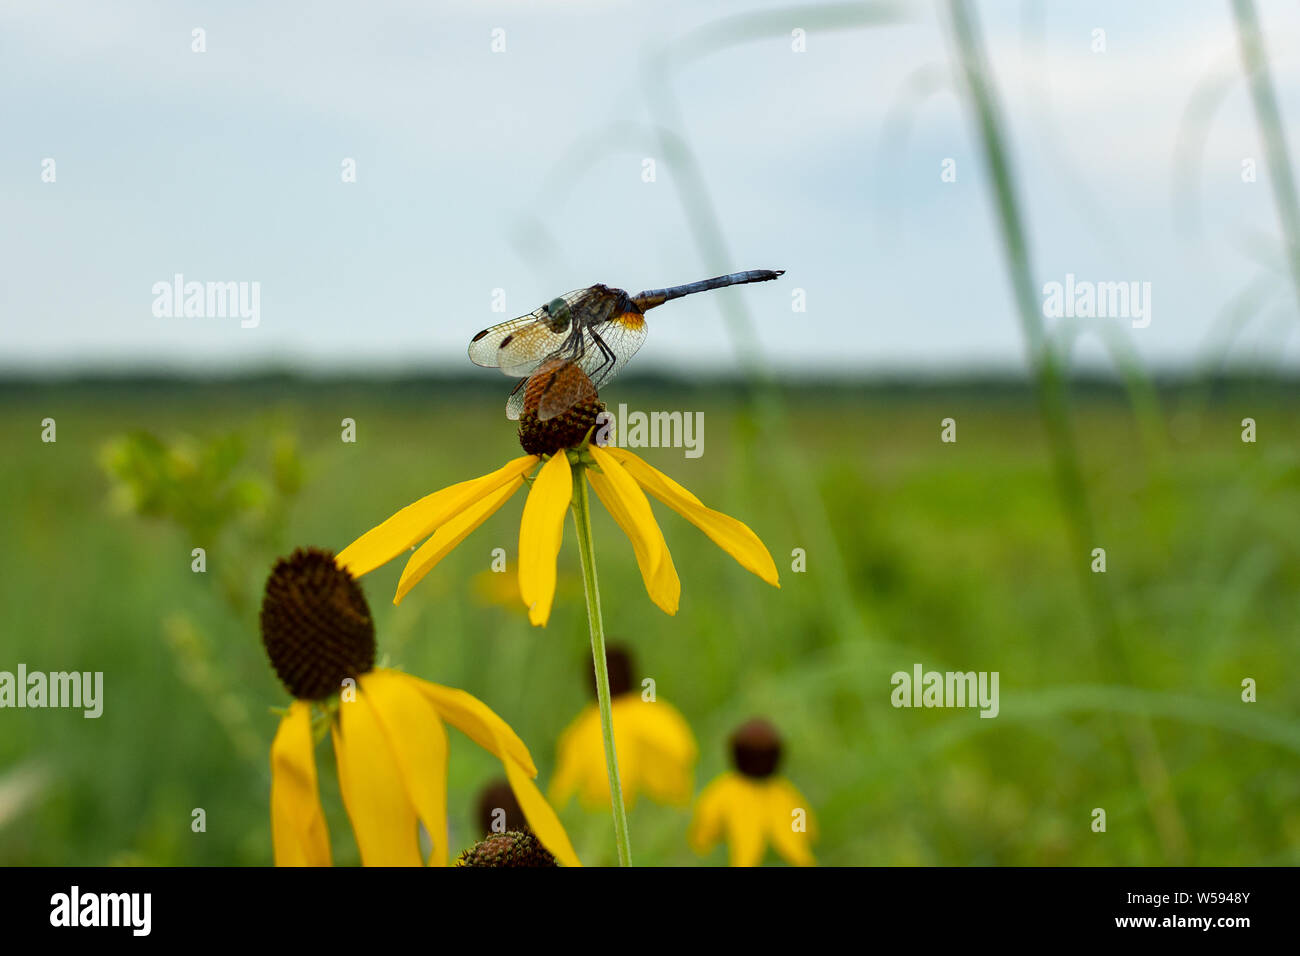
<point>653,297</point>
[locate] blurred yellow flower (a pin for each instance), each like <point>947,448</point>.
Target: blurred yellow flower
<point>389,740</point>
<point>495,589</point>
<point>492,588</point>
<point>752,806</point>
<point>656,749</point>
<point>445,518</point>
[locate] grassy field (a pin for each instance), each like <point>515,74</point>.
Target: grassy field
<point>955,556</point>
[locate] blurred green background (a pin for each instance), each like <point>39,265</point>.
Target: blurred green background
<point>1120,691</point>
<point>954,556</point>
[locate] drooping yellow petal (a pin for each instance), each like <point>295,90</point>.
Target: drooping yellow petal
<point>665,747</point>
<point>448,535</point>
<point>540,532</point>
<point>594,794</point>
<point>627,750</point>
<point>567,776</point>
<point>298,829</point>
<point>571,757</point>
<point>581,756</point>
<point>732,805</point>
<point>477,721</point>
<point>630,506</point>
<point>710,811</point>
<point>541,818</point>
<point>624,499</point>
<point>417,521</point>
<point>664,779</point>
<point>746,823</point>
<point>418,742</point>
<point>787,810</point>
<point>383,818</point>
<point>726,532</point>
<point>662,727</point>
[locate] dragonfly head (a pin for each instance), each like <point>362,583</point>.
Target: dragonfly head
<point>559,313</point>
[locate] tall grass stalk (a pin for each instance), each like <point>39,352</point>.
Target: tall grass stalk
<point>974,72</point>
<point>1255,62</point>
<point>699,209</point>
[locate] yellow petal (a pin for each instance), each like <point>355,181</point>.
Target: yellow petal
<point>661,726</point>
<point>541,818</point>
<point>407,703</point>
<point>417,521</point>
<point>582,761</point>
<point>418,742</point>
<point>626,751</point>
<point>477,721</point>
<point>298,829</point>
<point>726,532</point>
<point>448,535</point>
<point>710,811</point>
<point>624,499</point>
<point>746,823</point>
<point>572,756</point>
<point>782,802</point>
<point>665,747</point>
<point>383,819</point>
<point>540,533</point>
<point>595,782</point>
<point>664,779</point>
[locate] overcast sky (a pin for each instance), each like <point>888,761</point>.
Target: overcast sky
<point>478,170</point>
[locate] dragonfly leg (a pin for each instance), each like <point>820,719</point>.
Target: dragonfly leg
<point>607,356</point>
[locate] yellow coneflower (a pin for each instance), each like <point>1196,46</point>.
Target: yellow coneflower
<point>752,805</point>
<point>562,443</point>
<point>387,727</point>
<point>445,518</point>
<point>656,749</point>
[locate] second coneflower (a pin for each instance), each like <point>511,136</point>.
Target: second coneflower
<point>562,445</point>
<point>656,749</point>
<point>753,805</point>
<point>387,729</point>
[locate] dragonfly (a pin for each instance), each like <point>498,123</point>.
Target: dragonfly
<point>597,329</point>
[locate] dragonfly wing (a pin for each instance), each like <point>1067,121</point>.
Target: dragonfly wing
<point>515,403</point>
<point>517,346</point>
<point>611,344</point>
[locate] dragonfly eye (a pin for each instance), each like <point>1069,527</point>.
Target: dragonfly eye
<point>558,310</point>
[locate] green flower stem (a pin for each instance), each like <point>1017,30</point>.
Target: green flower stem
<point>587,552</point>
